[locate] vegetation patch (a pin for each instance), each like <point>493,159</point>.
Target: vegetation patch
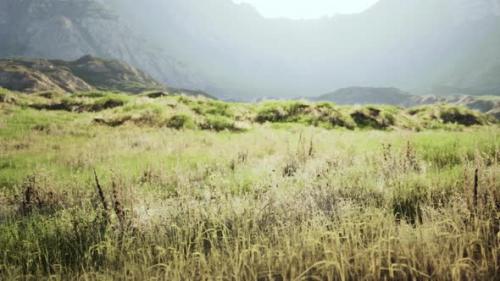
<point>181,121</point>
<point>219,123</point>
<point>372,117</point>
<point>461,116</point>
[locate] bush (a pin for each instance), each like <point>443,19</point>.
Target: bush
<point>219,123</point>
<point>107,103</point>
<point>271,114</point>
<point>282,112</point>
<point>326,113</point>
<point>373,118</point>
<point>5,97</point>
<point>181,121</point>
<point>209,107</point>
<point>460,116</point>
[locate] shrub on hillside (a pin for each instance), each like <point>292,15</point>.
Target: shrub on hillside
<point>327,114</point>
<point>460,116</point>
<point>282,112</point>
<point>5,97</point>
<point>181,121</point>
<point>271,114</point>
<point>219,123</point>
<point>371,117</point>
<point>210,107</point>
<point>107,103</point>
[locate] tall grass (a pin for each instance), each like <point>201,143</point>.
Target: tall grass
<point>85,201</point>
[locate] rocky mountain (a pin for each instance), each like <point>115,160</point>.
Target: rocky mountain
<point>70,29</point>
<point>85,74</point>
<point>439,47</point>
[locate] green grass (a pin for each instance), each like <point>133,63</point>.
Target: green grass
<point>192,196</point>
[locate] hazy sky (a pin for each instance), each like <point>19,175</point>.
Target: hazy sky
<point>308,8</point>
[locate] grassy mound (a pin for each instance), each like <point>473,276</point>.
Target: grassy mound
<point>162,109</point>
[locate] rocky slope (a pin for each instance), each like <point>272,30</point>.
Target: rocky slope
<point>69,29</point>
<point>84,74</point>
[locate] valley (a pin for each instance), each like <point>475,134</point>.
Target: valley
<point>201,140</point>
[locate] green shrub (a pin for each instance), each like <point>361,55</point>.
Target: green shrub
<point>326,113</point>
<point>181,121</point>
<point>295,109</point>
<point>4,96</point>
<point>108,103</point>
<point>219,123</point>
<point>371,117</point>
<point>460,116</point>
<point>271,114</point>
<point>210,107</point>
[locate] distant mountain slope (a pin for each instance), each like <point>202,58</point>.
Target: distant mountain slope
<point>366,95</point>
<point>394,96</point>
<point>423,46</point>
<point>84,74</point>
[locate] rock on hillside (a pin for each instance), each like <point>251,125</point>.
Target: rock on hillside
<point>84,74</point>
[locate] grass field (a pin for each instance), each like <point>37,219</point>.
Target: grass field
<point>106,186</point>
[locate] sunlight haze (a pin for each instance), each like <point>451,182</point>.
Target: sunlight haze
<point>307,9</point>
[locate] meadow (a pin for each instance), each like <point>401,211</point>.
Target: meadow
<point>106,186</point>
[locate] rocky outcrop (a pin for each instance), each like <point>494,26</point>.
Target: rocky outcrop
<point>85,74</point>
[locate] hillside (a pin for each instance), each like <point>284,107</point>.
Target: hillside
<point>397,97</point>
<point>200,112</point>
<point>68,30</point>
<point>368,95</point>
<point>85,74</point>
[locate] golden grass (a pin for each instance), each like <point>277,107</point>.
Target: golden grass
<point>295,203</point>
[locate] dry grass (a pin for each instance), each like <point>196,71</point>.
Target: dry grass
<point>291,203</point>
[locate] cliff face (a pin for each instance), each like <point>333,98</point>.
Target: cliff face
<point>69,29</point>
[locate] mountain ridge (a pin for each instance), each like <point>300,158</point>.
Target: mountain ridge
<point>85,74</point>
<point>68,30</point>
